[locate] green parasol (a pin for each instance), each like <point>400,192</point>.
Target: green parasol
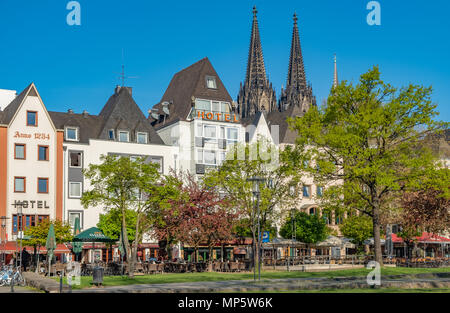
<point>92,234</point>
<point>121,245</point>
<point>50,245</point>
<point>77,246</point>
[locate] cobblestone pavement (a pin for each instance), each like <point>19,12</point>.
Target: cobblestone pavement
<point>275,284</point>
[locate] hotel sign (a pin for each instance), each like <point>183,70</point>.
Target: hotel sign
<point>217,116</point>
<point>31,204</point>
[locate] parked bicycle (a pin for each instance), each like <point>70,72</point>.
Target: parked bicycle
<point>10,275</point>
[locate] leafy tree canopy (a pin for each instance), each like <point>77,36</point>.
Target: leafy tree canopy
<point>38,233</point>
<point>308,228</point>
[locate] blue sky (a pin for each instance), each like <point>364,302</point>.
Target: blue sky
<point>78,66</point>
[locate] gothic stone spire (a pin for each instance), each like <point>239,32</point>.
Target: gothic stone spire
<point>256,94</point>
<point>297,91</point>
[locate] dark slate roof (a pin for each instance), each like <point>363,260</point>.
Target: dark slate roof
<point>119,113</point>
<point>122,112</point>
<point>89,125</point>
<point>287,135</point>
<point>188,83</point>
<point>10,110</point>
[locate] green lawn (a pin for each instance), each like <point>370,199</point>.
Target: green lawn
<point>195,277</point>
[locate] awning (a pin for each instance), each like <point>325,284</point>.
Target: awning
<point>424,238</point>
<point>239,250</point>
<point>12,246</point>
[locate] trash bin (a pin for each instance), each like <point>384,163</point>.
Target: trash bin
<point>97,274</point>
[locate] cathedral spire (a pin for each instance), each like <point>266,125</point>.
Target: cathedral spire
<point>256,71</point>
<point>335,77</point>
<point>296,73</point>
<point>297,91</point>
<point>256,93</point>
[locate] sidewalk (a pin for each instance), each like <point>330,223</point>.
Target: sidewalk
<point>403,281</point>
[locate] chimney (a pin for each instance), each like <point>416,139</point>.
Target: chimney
<point>85,113</point>
<point>117,90</point>
<point>70,111</point>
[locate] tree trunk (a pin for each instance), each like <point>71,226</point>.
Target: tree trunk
<point>125,239</point>
<point>376,233</point>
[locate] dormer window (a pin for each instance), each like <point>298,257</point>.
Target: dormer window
<point>111,134</point>
<point>124,136</point>
<point>141,137</point>
<point>71,133</point>
<point>211,82</point>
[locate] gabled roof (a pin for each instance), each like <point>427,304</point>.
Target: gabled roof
<point>9,112</point>
<point>89,125</point>
<point>122,112</point>
<point>186,84</point>
<point>119,113</point>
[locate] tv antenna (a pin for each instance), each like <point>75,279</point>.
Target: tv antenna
<point>122,76</point>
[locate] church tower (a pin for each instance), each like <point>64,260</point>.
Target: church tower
<point>297,91</point>
<point>256,93</point>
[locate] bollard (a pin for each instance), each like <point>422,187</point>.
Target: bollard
<point>60,282</point>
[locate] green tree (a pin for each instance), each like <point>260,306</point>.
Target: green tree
<point>118,183</point>
<point>366,144</point>
<point>309,229</point>
<point>259,159</point>
<point>110,223</point>
<point>358,228</point>
<point>38,234</point>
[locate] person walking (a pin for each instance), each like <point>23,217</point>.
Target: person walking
<point>25,259</point>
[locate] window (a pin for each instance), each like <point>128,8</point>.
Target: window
<point>199,130</point>
<point>43,153</point>
<point>215,106</point>
<point>319,191</point>
<point>19,151</point>
<point>42,185</point>
<point>211,82</point>
<point>75,189</point>
<point>200,156</point>
<point>19,184</point>
<point>222,132</point>
<point>212,106</point>
<point>74,215</point>
<point>306,191</point>
<point>141,138</point>
<point>72,133</point>
<point>312,211</point>
<point>209,131</point>
<point>75,159</point>
<point>159,161</point>
<point>209,157</point>
<point>111,134</point>
<point>32,118</point>
<point>124,136</point>
<point>26,221</point>
<point>232,134</point>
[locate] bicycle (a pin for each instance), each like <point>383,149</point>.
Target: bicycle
<point>9,276</point>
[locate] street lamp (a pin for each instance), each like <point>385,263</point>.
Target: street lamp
<point>3,237</point>
<point>256,193</point>
<point>20,220</point>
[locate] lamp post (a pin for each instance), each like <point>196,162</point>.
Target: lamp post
<point>256,193</point>
<point>3,237</point>
<point>20,219</point>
